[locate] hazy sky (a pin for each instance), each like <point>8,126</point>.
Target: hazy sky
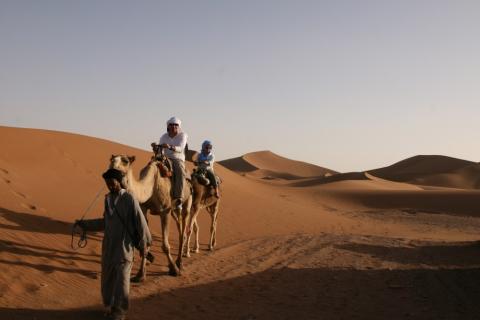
<point>348,85</point>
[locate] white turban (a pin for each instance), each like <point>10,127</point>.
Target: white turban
<point>174,120</point>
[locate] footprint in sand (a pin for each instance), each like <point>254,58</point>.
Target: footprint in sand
<point>19,194</point>
<point>32,288</point>
<point>28,206</point>
<point>8,181</point>
<point>23,196</point>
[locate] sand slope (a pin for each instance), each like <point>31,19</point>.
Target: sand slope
<point>268,165</point>
<point>433,171</point>
<point>358,246</point>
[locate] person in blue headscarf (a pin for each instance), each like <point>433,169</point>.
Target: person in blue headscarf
<point>205,161</point>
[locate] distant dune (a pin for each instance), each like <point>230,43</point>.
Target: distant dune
<point>329,179</point>
<point>426,171</point>
<point>433,170</point>
<point>354,181</point>
<point>268,165</point>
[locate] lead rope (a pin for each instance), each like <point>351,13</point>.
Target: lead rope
<point>82,242</point>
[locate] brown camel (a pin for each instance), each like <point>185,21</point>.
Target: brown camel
<point>202,198</point>
<point>152,191</point>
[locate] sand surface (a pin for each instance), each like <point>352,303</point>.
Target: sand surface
<point>295,241</point>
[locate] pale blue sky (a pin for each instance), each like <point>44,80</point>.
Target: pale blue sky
<point>349,85</point>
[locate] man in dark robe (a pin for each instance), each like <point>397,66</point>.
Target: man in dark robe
<point>122,220</point>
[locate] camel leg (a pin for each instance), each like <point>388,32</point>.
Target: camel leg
<point>213,228</point>
<point>196,229</point>
<point>141,275</point>
<point>172,268</point>
<point>191,225</point>
<point>180,228</point>
<point>183,221</point>
<point>186,252</point>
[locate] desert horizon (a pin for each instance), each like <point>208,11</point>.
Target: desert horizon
<point>259,158</point>
<point>294,239</point>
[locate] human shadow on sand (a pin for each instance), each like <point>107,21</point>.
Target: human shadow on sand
<point>319,293</point>
<point>45,252</point>
<point>23,221</point>
<point>61,260</point>
<point>49,268</point>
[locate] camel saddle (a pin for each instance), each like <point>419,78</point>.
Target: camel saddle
<point>165,167</point>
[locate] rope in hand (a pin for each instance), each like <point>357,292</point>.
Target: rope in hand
<point>82,242</point>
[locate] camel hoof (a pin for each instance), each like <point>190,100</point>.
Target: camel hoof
<point>179,264</point>
<point>138,279</point>
<point>173,271</point>
<point>196,250</point>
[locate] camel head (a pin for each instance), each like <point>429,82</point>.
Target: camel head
<point>121,162</point>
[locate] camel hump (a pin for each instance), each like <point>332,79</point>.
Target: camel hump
<point>201,177</point>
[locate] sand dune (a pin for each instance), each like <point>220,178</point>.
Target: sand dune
<point>425,171</point>
<point>433,171</point>
<point>291,241</point>
<point>354,180</point>
<point>267,165</point>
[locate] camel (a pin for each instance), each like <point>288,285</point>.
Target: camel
<point>202,198</point>
<point>152,191</point>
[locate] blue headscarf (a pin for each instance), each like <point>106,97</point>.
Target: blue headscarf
<point>206,143</point>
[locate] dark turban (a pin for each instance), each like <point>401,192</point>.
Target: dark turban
<point>113,174</point>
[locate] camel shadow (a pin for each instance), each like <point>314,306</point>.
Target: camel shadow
<point>59,260</point>
<point>24,221</point>
<point>63,261</point>
<point>44,252</point>
<point>48,268</point>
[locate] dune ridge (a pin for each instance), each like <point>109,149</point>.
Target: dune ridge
<point>433,170</point>
<point>427,172</point>
<point>266,164</point>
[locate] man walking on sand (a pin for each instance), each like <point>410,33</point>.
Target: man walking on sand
<point>122,220</point>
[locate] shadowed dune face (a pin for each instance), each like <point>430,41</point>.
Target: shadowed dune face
<point>425,171</point>
<point>433,171</point>
<point>238,165</point>
<point>268,165</point>
<point>294,240</point>
<point>352,176</point>
<point>424,164</point>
